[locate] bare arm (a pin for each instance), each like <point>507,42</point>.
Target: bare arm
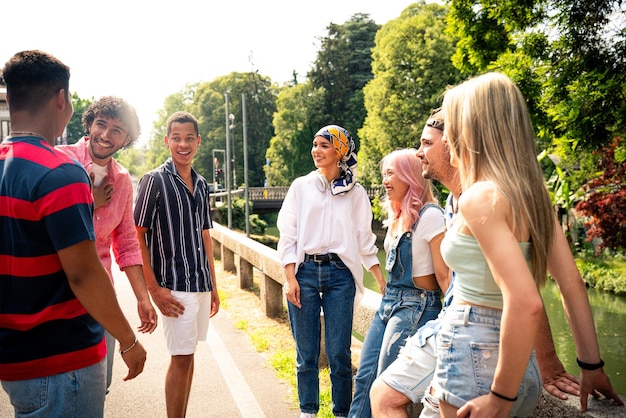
<point>161,296</point>
<point>562,267</point>
<point>442,272</point>
<point>208,248</point>
<point>91,284</point>
<point>485,212</point>
<point>147,314</point>
<point>556,380</point>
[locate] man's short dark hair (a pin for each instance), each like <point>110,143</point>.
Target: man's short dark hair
<point>181,117</point>
<point>32,78</point>
<point>113,107</point>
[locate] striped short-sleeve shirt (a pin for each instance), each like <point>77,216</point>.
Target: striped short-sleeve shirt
<point>45,206</point>
<point>175,219</point>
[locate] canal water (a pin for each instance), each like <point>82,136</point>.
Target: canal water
<point>609,313</point>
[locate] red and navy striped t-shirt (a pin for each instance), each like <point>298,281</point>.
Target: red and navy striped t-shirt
<point>45,206</point>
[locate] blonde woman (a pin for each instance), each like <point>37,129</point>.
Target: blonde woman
<point>498,247</point>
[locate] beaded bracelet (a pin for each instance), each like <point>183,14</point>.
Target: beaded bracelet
<point>122,352</point>
<point>589,366</point>
<point>506,398</point>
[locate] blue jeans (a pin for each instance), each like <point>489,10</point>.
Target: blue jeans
<point>75,394</point>
<point>400,314</point>
<point>331,288</point>
<point>110,356</point>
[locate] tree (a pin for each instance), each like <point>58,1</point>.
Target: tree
<point>574,51</point>
<point>74,130</point>
<point>412,67</point>
<point>331,95</point>
<point>209,108</point>
<point>133,159</point>
<point>298,116</point>
<point>342,68</point>
<point>566,56</point>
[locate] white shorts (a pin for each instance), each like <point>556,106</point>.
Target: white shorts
<point>412,371</point>
<point>183,333</point>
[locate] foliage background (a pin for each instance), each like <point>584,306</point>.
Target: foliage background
<point>382,81</point>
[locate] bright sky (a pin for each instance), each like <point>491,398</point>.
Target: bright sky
<point>144,51</point>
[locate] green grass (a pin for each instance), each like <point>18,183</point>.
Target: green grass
<point>259,340</point>
<point>272,230</point>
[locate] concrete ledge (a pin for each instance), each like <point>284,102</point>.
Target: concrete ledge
<point>549,407</point>
<point>238,250</point>
<point>365,312</point>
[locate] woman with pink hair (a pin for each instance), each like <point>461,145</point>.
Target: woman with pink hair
<point>416,272</point>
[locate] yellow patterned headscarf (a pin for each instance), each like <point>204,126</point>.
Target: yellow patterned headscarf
<point>344,146</point>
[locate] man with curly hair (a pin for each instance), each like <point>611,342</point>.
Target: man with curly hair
<point>111,124</point>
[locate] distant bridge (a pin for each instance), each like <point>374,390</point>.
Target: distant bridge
<point>270,199</point>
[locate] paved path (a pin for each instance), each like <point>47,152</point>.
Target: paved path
<point>231,380</point>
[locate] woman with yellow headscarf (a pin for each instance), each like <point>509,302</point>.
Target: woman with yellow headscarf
<point>325,238</point>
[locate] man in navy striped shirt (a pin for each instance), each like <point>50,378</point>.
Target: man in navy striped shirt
<point>172,215</point>
<point>55,295</point>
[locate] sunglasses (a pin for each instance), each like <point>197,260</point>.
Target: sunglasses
<point>434,123</point>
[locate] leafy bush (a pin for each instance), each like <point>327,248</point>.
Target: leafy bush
<point>605,272</point>
<point>238,213</point>
<point>604,205</point>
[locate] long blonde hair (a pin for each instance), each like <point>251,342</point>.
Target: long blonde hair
<point>488,128</point>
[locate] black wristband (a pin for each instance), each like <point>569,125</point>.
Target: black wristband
<point>590,366</point>
<point>506,398</point>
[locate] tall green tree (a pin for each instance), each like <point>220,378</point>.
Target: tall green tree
<point>206,101</point>
<point>74,130</point>
<point>298,116</point>
<point>412,67</point>
<point>342,68</point>
<point>571,54</point>
<point>209,107</point>
<point>567,57</point>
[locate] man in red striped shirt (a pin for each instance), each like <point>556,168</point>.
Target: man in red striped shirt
<point>55,295</point>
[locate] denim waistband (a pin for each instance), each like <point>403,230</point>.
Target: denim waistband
<point>399,292</point>
<point>474,314</point>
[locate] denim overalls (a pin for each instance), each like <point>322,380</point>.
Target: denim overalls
<point>403,309</point>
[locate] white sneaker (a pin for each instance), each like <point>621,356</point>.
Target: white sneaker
<point>305,415</point>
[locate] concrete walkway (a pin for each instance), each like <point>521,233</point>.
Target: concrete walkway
<point>231,380</point>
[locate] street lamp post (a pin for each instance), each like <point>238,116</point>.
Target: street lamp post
<point>231,127</point>
<point>228,195</point>
<point>245,161</point>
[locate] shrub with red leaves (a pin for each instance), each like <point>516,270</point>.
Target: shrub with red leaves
<point>604,203</point>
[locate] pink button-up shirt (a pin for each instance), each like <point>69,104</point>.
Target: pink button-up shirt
<point>114,223</point>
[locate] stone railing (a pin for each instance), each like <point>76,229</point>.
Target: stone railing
<point>242,255</point>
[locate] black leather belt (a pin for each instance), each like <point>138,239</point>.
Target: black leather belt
<point>322,258</point>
